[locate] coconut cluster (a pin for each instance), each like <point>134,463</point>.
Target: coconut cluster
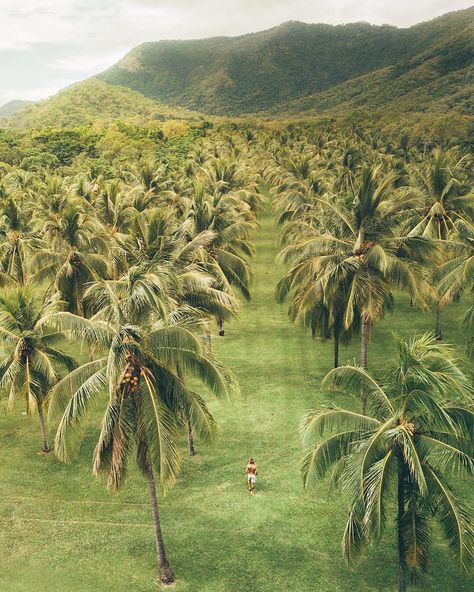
<point>131,376</point>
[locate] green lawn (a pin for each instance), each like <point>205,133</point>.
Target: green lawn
<point>62,531</point>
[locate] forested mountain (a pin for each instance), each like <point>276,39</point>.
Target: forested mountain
<point>440,79</point>
<point>12,107</point>
<point>328,66</point>
<point>91,101</point>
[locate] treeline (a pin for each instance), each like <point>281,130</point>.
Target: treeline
<point>103,146</point>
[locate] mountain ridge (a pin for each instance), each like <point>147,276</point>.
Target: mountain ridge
<point>293,69</point>
<point>256,71</point>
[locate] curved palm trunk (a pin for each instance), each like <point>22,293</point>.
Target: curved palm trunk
<point>402,575</point>
<point>165,572</point>
<point>191,450</point>
<point>438,334</point>
<point>364,349</point>
<point>44,431</point>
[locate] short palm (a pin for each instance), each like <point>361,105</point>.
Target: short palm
<point>30,363</point>
<point>419,429</point>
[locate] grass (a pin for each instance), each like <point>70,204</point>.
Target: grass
<point>62,531</point>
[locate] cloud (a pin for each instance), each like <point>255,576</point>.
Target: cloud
<point>44,42</point>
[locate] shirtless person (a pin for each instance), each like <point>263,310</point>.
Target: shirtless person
<point>251,471</point>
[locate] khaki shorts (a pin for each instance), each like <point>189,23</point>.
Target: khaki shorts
<point>252,478</point>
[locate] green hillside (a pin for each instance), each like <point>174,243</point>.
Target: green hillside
<point>333,65</point>
<point>439,80</point>
<point>91,101</point>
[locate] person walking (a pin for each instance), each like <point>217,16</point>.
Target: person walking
<point>251,470</point>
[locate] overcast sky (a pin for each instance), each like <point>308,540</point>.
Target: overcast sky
<point>48,44</point>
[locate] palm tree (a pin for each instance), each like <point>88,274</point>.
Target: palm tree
<point>322,313</point>
<point>76,255</point>
<point>418,431</point>
<point>30,362</point>
<point>445,203</point>
<point>161,245</point>
<point>468,324</point>
<point>230,220</point>
<point>456,275</point>
<point>146,393</point>
<point>356,248</point>
<point>18,242</point>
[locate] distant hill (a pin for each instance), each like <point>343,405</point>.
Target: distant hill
<point>12,107</point>
<point>438,80</point>
<point>90,101</point>
<point>299,66</point>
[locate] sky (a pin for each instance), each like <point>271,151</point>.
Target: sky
<point>46,45</point>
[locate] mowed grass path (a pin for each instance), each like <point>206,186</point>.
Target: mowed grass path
<point>61,531</point>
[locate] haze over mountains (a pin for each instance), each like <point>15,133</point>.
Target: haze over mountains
<point>292,69</point>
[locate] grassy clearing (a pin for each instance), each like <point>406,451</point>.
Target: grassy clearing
<point>61,531</point>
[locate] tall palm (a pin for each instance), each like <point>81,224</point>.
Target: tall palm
<point>468,324</point>
<point>357,250</point>
<point>76,255</point>
<point>160,244</point>
<point>445,203</point>
<point>440,182</point>
<point>230,220</point>
<point>419,431</point>
<point>30,362</point>
<point>140,355</point>
<point>323,314</point>
<point>17,242</point>
<point>456,275</point>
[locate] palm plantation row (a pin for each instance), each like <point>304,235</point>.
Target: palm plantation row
<point>353,236</point>
<point>132,267</point>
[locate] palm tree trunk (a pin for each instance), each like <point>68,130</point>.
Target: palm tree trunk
<point>438,334</point>
<point>208,336</point>
<point>220,326</point>
<point>192,452</point>
<point>336,350</point>
<point>364,348</point>
<point>44,431</point>
<point>165,572</point>
<point>402,575</point>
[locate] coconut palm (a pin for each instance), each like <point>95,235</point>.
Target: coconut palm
<point>159,244</point>
<point>445,203</point>
<point>457,274</point>
<point>440,182</point>
<point>30,361</point>
<point>419,431</point>
<point>137,368</point>
<point>468,324</point>
<point>358,251</point>
<point>323,314</point>
<point>76,255</point>
<point>17,242</point>
<point>230,220</point>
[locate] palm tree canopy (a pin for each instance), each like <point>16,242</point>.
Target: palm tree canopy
<point>419,430</point>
